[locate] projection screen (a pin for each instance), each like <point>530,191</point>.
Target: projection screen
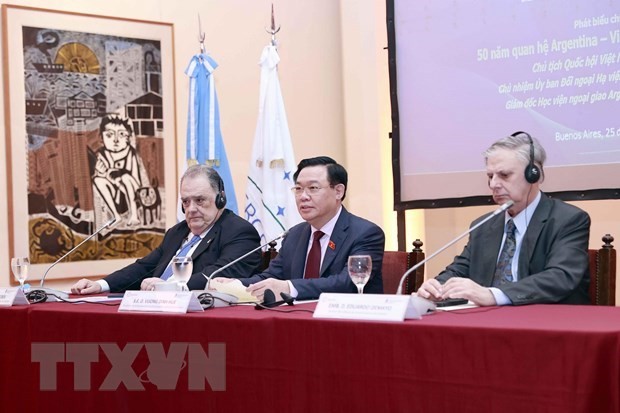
<point>466,73</point>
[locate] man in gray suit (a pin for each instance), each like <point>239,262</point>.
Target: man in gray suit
<point>320,187</point>
<point>547,238</point>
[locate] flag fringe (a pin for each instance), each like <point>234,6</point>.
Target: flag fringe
<point>213,163</point>
<point>276,163</point>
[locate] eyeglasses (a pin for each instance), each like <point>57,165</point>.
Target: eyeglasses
<point>200,201</point>
<point>297,190</point>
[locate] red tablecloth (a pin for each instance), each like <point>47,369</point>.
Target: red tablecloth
<point>511,359</point>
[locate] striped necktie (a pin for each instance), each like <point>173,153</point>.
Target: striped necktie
<point>168,272</point>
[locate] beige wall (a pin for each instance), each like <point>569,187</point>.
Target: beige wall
<point>335,84</point>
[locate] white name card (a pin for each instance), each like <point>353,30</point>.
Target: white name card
<point>160,301</point>
<point>374,307</point>
<point>12,296</point>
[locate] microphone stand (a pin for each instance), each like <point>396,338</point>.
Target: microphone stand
<point>498,211</point>
<point>227,297</point>
<point>54,295</point>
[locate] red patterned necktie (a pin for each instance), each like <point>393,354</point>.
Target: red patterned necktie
<point>313,263</point>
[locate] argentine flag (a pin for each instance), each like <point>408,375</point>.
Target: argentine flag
<point>204,137</point>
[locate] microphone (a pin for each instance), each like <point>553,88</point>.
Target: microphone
<point>495,213</point>
<point>63,295</point>
<point>269,300</point>
<point>236,260</point>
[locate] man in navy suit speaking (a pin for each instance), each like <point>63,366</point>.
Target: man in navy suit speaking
<point>305,272</point>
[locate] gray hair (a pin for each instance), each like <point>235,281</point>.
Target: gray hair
<point>520,144</point>
<point>215,181</point>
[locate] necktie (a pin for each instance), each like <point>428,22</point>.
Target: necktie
<point>168,272</point>
<point>503,270</point>
<point>313,263</point>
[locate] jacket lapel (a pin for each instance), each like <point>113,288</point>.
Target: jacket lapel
<point>171,248</point>
<point>211,235</point>
<point>493,240</point>
<point>534,228</point>
<point>338,237</point>
<point>299,261</point>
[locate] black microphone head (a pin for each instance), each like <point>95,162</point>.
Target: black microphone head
<point>287,298</point>
<point>269,298</point>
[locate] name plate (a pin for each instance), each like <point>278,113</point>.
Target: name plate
<point>374,307</point>
<point>12,296</point>
<point>160,302</point>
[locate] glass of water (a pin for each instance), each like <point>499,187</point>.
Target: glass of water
<point>20,266</point>
<point>360,267</point>
<point>182,269</point>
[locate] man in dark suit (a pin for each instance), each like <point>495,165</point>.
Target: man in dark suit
<point>539,257</point>
<point>212,235</point>
<point>320,187</point>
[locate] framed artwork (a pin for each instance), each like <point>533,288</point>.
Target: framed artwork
<point>90,138</point>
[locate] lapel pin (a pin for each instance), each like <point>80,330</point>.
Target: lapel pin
<point>331,245</point>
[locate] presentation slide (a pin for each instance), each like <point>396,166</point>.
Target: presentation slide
<point>471,72</point>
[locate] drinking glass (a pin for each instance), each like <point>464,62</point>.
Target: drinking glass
<point>20,266</point>
<point>182,269</point>
<point>360,267</point>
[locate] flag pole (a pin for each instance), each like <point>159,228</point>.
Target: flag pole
<point>270,205</point>
<point>273,30</point>
<point>201,36</point>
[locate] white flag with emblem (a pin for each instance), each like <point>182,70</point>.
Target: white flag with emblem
<point>270,203</point>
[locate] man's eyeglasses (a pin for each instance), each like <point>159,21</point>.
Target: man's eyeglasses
<point>200,201</point>
<point>297,190</point>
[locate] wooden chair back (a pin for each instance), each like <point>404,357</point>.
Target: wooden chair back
<point>395,263</point>
<point>603,273</point>
<point>269,254</point>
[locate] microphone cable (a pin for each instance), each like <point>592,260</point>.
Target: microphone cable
<point>279,310</point>
<point>40,296</point>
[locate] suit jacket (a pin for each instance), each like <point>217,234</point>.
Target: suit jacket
<point>553,261</point>
<point>229,238</point>
<point>352,235</point>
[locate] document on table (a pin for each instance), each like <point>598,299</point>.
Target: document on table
<point>234,288</point>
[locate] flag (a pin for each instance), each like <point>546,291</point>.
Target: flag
<point>204,137</point>
<point>270,203</point>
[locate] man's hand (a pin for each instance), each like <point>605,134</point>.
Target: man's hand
<point>458,287</point>
<point>277,286</point>
<point>85,286</point>
<point>431,290</point>
<point>148,284</point>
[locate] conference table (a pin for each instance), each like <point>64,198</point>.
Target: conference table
<point>88,357</point>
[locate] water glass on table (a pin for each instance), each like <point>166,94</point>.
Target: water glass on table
<point>20,266</point>
<point>182,270</point>
<point>360,267</point>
